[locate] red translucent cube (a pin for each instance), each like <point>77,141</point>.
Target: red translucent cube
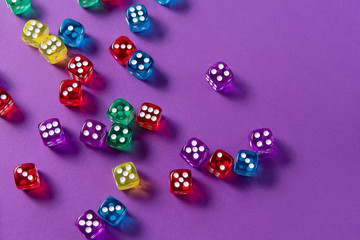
<point>70,93</point>
<point>26,176</point>
<point>149,116</point>
<point>6,102</point>
<point>220,164</point>
<point>122,49</point>
<point>80,68</point>
<point>180,182</point>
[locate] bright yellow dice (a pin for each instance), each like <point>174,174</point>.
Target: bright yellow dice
<point>126,176</point>
<point>34,32</point>
<point>53,49</point>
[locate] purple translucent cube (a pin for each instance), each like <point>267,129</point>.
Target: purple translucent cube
<point>262,141</point>
<point>219,76</point>
<point>90,224</point>
<point>194,152</point>
<point>93,133</point>
<point>51,132</point>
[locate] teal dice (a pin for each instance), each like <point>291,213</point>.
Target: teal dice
<point>119,137</point>
<point>87,3</point>
<point>120,111</point>
<point>18,6</point>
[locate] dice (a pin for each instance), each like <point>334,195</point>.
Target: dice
<point>26,176</point>
<point>34,33</point>
<point>137,17</point>
<point>87,3</point>
<point>80,68</point>
<point>120,111</point>
<point>18,6</point>
<point>246,163</point>
<point>53,49</point>
<point>70,93</point>
<point>163,2</point>
<point>126,176</point>
<point>6,102</point>
<point>93,133</point>
<point>149,116</point>
<point>219,76</point>
<point>140,65</point>
<point>71,32</point>
<point>180,182</point>
<point>119,137</point>
<point>194,152</point>
<point>90,224</point>
<point>220,164</point>
<point>112,211</point>
<point>51,132</point>
<point>262,141</point>
<point>122,49</point>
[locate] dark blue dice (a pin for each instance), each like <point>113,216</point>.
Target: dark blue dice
<point>71,32</point>
<point>137,17</point>
<point>140,65</point>
<point>246,163</point>
<point>112,211</point>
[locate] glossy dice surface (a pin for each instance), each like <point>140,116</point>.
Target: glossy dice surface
<point>6,102</point>
<point>119,137</point>
<point>120,111</point>
<point>80,68</point>
<point>126,176</point>
<point>140,65</point>
<point>194,152</point>
<point>87,3</point>
<point>262,141</point>
<point>220,164</point>
<point>246,163</point>
<point>180,181</point>
<point>122,49</point>
<point>53,49</point>
<point>70,93</point>
<point>93,133</point>
<point>18,6</point>
<point>71,32</point>
<point>26,176</point>
<point>219,76</point>
<point>34,32</point>
<point>137,17</point>
<point>163,2</point>
<point>112,211</point>
<point>51,132</point>
<point>90,224</point>
<point>149,116</point>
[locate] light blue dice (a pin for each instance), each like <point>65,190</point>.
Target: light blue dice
<point>71,32</point>
<point>163,2</point>
<point>246,163</point>
<point>140,65</point>
<point>137,17</point>
<point>112,211</point>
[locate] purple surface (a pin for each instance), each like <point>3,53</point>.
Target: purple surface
<point>296,71</point>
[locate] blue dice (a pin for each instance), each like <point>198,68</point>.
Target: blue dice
<point>140,65</point>
<point>112,211</point>
<point>137,18</point>
<point>163,2</point>
<point>246,163</point>
<point>71,32</point>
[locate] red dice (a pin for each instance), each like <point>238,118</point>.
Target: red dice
<point>26,176</point>
<point>219,164</point>
<point>6,102</point>
<point>80,68</point>
<point>122,49</point>
<point>70,93</point>
<point>149,116</point>
<point>180,181</point>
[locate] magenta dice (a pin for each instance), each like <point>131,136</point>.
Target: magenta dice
<point>90,224</point>
<point>93,133</point>
<point>194,152</point>
<point>51,132</point>
<point>262,141</point>
<point>219,76</point>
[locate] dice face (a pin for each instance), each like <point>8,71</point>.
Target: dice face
<point>163,2</point>
<point>80,68</point>
<point>137,17</point>
<point>53,49</point>
<point>71,32</point>
<point>6,102</point>
<point>70,93</point>
<point>120,111</point>
<point>194,152</point>
<point>112,211</point>
<point>51,132</point>
<point>140,65</point>
<point>219,76</point>
<point>122,49</point>
<point>149,116</point>
<point>90,224</point>
<point>220,164</point>
<point>34,33</point>
<point>93,133</point>
<point>119,137</point>
<point>246,163</point>
<point>87,3</point>
<point>126,176</point>
<point>180,181</point>
<point>26,176</point>
<point>18,6</point>
<point>262,141</point>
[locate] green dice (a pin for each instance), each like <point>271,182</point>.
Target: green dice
<point>119,137</point>
<point>87,3</point>
<point>120,111</point>
<point>18,6</point>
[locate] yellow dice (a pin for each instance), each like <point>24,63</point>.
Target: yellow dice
<point>53,49</point>
<point>34,32</point>
<point>126,176</point>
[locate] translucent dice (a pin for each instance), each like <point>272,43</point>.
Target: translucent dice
<point>122,49</point>
<point>140,65</point>
<point>6,102</point>
<point>126,176</point>
<point>246,163</point>
<point>70,93</point>
<point>137,17</point>
<point>80,68</point>
<point>194,152</point>
<point>93,133</point>
<point>262,141</point>
<point>119,137</point>
<point>219,76</point>
<point>163,2</point>
<point>112,211</point>
<point>87,3</point>
<point>53,49</point>
<point>34,33</point>
<point>18,6</point>
<point>220,164</point>
<point>120,111</point>
<point>26,176</point>
<point>71,32</point>
<point>90,224</point>
<point>51,132</point>
<point>149,116</point>
<point>180,182</point>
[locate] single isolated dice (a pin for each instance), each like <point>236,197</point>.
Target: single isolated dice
<point>93,133</point>
<point>262,141</point>
<point>80,68</point>
<point>119,137</point>
<point>70,93</point>
<point>112,211</point>
<point>120,111</point>
<point>137,17</point>
<point>219,76</point>
<point>53,49</point>
<point>246,163</point>
<point>90,224</point>
<point>126,176</point>
<point>194,152</point>
<point>180,182</point>
<point>71,32</point>
<point>26,176</point>
<point>34,33</point>
<point>140,65</point>
<point>87,3</point>
<point>220,164</point>
<point>122,49</point>
<point>163,2</point>
<point>6,102</point>
<point>149,116</point>
<point>51,132</point>
<point>18,6</point>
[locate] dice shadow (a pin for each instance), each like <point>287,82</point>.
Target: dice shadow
<point>236,90</point>
<point>70,147</point>
<point>89,105</point>
<point>105,235</point>
<point>88,45</point>
<point>167,128</point>
<point>105,7</point>
<point>34,12</point>
<point>44,192</point>
<point>144,192</point>
<point>129,225</point>
<point>179,6</point>
<point>155,32</point>
<point>157,79</point>
<point>15,115</point>
<point>97,82</point>
<point>4,84</point>
<point>200,196</point>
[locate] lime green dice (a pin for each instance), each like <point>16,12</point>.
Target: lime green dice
<point>18,6</point>
<point>119,137</point>
<point>87,3</point>
<point>120,111</point>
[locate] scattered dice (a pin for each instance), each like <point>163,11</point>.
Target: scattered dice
<point>6,102</point>
<point>53,49</point>
<point>120,111</point>
<point>87,3</point>
<point>112,211</point>
<point>180,182</point>
<point>262,141</point>
<point>71,32</point>
<point>93,133</point>
<point>122,49</point>
<point>51,132</point>
<point>246,163</point>
<point>119,137</point>
<point>34,33</point>
<point>26,176</point>
<point>80,68</point>
<point>90,224</point>
<point>220,164</point>
<point>140,65</point>
<point>137,17</point>
<point>194,152</point>
<point>149,116</point>
<point>126,176</point>
<point>18,6</point>
<point>163,2</point>
<point>219,76</point>
<point>70,93</point>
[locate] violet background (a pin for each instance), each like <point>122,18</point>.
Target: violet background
<point>296,67</point>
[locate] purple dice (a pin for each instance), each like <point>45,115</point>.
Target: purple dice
<point>194,152</point>
<point>262,141</point>
<point>51,132</point>
<point>219,76</point>
<point>93,133</point>
<point>90,224</point>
